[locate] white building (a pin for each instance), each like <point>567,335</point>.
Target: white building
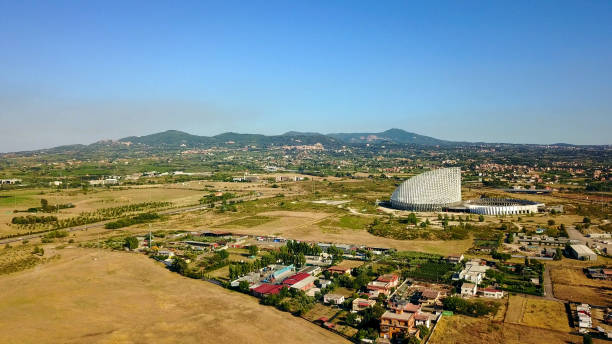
<point>335,299</point>
<point>582,252</point>
<point>502,206</point>
<point>473,272</point>
<point>429,191</point>
<point>468,289</point>
<point>492,293</point>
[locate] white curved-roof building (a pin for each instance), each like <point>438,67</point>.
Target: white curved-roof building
<point>502,206</point>
<point>429,191</point>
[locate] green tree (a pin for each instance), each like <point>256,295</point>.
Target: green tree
<point>44,204</point>
<point>222,254</point>
<point>179,265</point>
<point>413,340</point>
<point>586,339</point>
<point>131,243</point>
<point>481,218</point>
<point>253,250</point>
<point>243,286</point>
<point>423,331</point>
<point>551,222</point>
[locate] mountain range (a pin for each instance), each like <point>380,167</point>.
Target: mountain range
<point>178,138</point>
<point>175,139</point>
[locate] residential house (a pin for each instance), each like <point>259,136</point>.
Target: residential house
<point>339,270</point>
<point>391,279</point>
<point>491,293</point>
<point>474,272</point>
<point>380,287</point>
<point>384,283</point>
<point>361,304</point>
<point>393,323</point>
<point>423,318</point>
<point>323,283</point>
<point>403,305</point>
<point>468,289</point>
<point>335,299</point>
<point>312,291</point>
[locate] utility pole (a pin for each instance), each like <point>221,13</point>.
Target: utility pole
<point>150,236</point>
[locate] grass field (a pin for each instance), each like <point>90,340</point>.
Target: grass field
<point>354,222</point>
<point>95,296</point>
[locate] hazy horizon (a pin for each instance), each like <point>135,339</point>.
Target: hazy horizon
<point>514,72</point>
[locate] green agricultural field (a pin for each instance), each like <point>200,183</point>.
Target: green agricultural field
<point>17,199</point>
<point>346,222</point>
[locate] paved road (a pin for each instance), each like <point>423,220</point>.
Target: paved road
<point>548,286</point>
<point>102,223</point>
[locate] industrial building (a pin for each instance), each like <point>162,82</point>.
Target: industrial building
<point>429,191</point>
<point>582,252</point>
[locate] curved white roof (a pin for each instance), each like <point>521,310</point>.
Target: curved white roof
<point>429,191</point>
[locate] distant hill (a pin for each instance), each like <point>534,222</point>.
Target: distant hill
<point>175,139</point>
<point>169,138</point>
<point>391,135</point>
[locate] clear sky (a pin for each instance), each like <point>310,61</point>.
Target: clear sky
<point>496,71</point>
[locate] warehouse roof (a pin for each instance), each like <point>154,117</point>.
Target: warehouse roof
<point>582,249</point>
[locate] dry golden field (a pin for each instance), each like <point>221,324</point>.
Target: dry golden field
<point>96,296</point>
<point>570,283</point>
<point>459,329</point>
<point>545,314</point>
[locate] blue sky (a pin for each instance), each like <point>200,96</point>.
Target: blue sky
<point>496,71</point>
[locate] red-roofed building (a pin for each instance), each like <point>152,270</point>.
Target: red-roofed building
<point>384,283</point>
<point>301,281</point>
<point>392,279</point>
<point>404,306</point>
<point>491,292</point>
<point>267,289</point>
<point>339,270</point>
<point>291,280</point>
